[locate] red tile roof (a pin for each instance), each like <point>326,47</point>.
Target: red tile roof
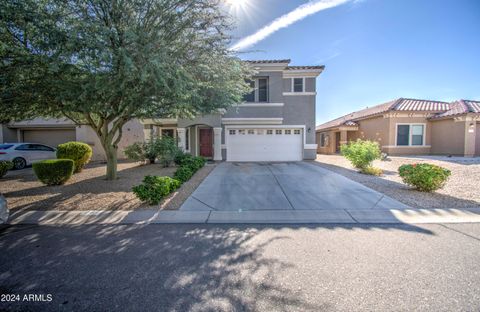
<point>460,107</point>
<point>438,108</point>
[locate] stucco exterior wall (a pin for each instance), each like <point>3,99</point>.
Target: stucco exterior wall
<point>132,132</point>
<point>330,147</point>
<point>374,129</point>
<point>477,140</point>
<point>7,134</point>
<point>448,138</point>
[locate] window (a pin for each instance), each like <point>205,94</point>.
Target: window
<point>187,139</point>
<point>288,131</point>
<point>278,131</point>
<point>167,132</point>
<point>262,90</point>
<point>269,131</point>
<point>410,135</point>
<point>259,92</point>
<point>23,147</point>
<point>296,131</point>
<point>241,131</point>
<point>232,132</point>
<point>38,147</point>
<point>251,131</point>
<point>259,131</point>
<point>322,139</point>
<point>250,97</point>
<point>297,84</point>
<point>5,146</point>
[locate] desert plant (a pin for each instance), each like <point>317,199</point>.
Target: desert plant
<point>5,165</point>
<point>54,171</point>
<point>424,177</point>
<point>135,152</point>
<point>166,149</point>
<point>372,171</point>
<point>154,188</point>
<point>79,152</point>
<point>361,153</point>
<point>183,174</point>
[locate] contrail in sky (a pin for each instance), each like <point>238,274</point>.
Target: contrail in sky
<point>286,20</point>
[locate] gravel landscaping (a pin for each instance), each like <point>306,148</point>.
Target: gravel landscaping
<point>88,190</point>
<point>461,191</point>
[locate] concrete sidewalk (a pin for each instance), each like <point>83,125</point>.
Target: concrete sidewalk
<point>410,216</point>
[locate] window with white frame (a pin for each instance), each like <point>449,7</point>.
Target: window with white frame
<point>296,131</point>
<point>251,131</point>
<point>410,134</point>
<point>269,131</point>
<point>259,131</point>
<point>259,91</point>
<point>278,131</point>
<point>298,85</point>
<point>288,131</point>
<point>232,132</point>
<point>241,131</point>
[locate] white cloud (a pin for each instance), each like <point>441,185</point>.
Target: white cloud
<point>286,20</point>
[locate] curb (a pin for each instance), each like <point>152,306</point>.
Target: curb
<point>359,216</point>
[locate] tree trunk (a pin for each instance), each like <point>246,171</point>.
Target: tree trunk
<point>111,153</point>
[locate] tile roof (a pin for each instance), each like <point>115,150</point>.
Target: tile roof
<point>438,108</point>
<point>460,107</point>
<point>268,61</point>
<point>305,67</point>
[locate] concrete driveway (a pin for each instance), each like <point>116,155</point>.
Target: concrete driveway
<point>282,186</point>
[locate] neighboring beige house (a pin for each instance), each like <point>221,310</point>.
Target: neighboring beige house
<point>408,126</point>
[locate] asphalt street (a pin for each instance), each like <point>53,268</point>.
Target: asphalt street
<point>429,267</point>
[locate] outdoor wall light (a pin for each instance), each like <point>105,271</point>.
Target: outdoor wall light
<point>471,128</point>
<point>309,130</point>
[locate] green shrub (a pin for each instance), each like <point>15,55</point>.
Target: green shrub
<point>164,149</point>
<point>361,153</point>
<point>135,152</point>
<point>424,177</point>
<point>183,174</point>
<point>153,188</point>
<point>194,163</point>
<point>5,165</point>
<point>372,171</point>
<point>181,158</point>
<point>79,152</point>
<point>54,171</point>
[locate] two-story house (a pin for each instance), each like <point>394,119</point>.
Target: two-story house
<point>275,123</point>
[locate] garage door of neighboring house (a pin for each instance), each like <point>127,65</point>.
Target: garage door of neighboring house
<point>51,137</point>
<point>259,144</point>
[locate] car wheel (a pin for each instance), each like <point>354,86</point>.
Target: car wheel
<point>19,163</point>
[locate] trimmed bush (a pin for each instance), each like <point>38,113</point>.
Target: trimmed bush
<point>154,188</point>
<point>54,171</point>
<point>79,152</point>
<point>361,153</point>
<point>135,152</point>
<point>372,171</point>
<point>194,163</point>
<point>183,174</point>
<point>164,149</point>
<point>424,177</point>
<point>5,165</point>
<point>181,158</point>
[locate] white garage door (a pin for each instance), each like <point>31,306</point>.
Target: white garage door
<point>50,137</point>
<point>246,144</point>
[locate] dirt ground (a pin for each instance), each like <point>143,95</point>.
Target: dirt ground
<point>88,190</point>
<point>461,191</point>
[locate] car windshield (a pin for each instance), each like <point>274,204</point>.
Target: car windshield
<point>5,146</point>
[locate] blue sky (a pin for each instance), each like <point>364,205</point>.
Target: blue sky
<point>374,50</point>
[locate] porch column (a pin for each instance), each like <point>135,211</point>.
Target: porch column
<point>181,138</point>
<point>217,143</point>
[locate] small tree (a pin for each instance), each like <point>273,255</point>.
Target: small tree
<point>102,63</point>
<point>361,153</point>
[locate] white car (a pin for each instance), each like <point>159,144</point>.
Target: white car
<point>24,154</point>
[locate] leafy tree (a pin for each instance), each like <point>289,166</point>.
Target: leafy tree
<point>104,62</point>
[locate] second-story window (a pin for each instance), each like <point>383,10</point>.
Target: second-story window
<point>297,84</point>
<point>260,90</point>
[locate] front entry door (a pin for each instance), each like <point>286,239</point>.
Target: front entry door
<point>206,142</point>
